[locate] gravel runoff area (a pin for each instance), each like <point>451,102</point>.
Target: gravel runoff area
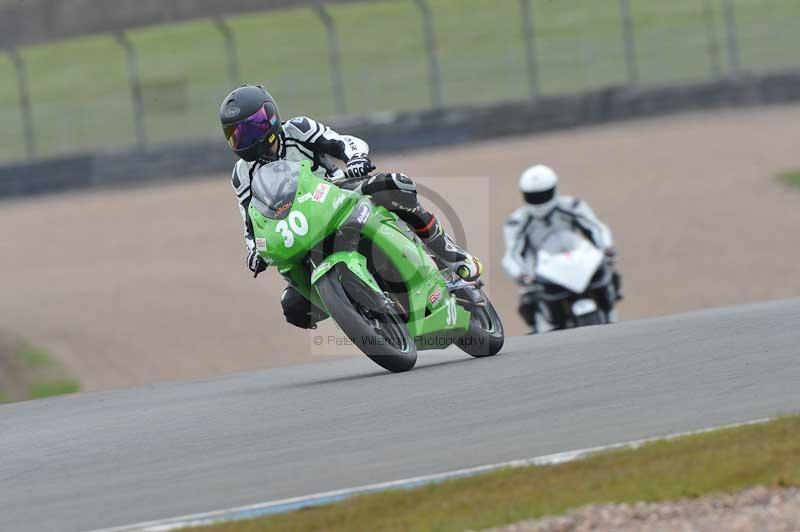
<point>133,286</point>
<point>757,509</point>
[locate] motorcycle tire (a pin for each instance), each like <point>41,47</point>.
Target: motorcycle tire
<point>382,336</point>
<point>485,336</point>
<point>593,318</point>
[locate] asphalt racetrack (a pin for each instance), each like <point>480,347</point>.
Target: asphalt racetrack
<point>113,458</point>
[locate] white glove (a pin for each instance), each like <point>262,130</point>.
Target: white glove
<point>359,166</point>
<point>255,263</point>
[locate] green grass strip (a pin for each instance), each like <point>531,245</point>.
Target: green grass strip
<point>720,461</point>
<point>790,178</point>
<point>42,375</point>
<point>54,387</point>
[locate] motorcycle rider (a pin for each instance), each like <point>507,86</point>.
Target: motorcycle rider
<point>545,211</point>
<point>252,125</point>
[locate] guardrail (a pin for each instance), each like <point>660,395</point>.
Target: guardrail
<point>406,131</point>
<point>40,21</point>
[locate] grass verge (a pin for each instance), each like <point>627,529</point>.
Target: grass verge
<point>53,387</point>
<point>721,461</point>
<point>30,373</point>
<point>790,178</point>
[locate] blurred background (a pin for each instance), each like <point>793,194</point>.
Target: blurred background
<point>88,75</point>
<point>111,286</point>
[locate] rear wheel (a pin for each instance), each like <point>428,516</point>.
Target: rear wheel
<point>593,318</point>
<point>485,335</point>
<point>371,323</point>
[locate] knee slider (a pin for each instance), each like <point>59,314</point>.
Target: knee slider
<point>393,191</point>
<point>385,182</point>
<point>402,181</point>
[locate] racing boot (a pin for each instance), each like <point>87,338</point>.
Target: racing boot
<point>449,254</point>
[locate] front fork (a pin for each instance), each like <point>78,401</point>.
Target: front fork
<point>344,245</point>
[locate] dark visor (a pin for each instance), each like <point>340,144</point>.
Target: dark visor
<point>537,198</point>
<point>250,130</point>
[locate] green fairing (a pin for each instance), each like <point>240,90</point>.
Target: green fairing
<point>421,276</point>
<point>355,262</point>
<point>318,209</point>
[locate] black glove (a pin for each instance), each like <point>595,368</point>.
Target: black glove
<point>359,166</point>
<point>255,263</point>
<point>611,256</point>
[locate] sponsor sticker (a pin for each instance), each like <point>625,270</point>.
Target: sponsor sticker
<point>435,297</point>
<point>230,112</point>
<point>283,208</point>
<point>339,200</point>
<point>261,244</point>
<point>363,213</point>
<point>304,198</point>
<point>320,193</point>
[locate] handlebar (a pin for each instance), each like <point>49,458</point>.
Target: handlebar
<point>346,180</point>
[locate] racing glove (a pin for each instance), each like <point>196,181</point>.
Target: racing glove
<point>525,280</point>
<point>359,166</point>
<point>255,263</point>
<point>611,256</point>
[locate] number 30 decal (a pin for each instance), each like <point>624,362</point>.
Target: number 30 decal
<point>298,225</point>
<point>452,314</point>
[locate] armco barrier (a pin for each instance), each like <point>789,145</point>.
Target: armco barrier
<point>406,131</point>
<point>23,23</point>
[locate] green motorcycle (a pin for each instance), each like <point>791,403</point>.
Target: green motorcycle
<point>362,266</point>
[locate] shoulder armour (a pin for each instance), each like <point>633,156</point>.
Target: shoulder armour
<point>567,202</point>
<point>302,128</point>
<point>516,218</point>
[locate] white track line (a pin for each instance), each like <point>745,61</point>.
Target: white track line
<point>318,499</point>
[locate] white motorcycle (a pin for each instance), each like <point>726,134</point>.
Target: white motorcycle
<point>574,283</point>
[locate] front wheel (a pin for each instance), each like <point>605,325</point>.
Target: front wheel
<point>485,336</point>
<point>381,335</point>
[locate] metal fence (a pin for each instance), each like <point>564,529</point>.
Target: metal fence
<point>164,83</point>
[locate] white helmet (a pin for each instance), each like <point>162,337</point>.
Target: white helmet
<point>539,187</point>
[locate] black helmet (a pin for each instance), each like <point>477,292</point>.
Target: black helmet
<point>251,123</point>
